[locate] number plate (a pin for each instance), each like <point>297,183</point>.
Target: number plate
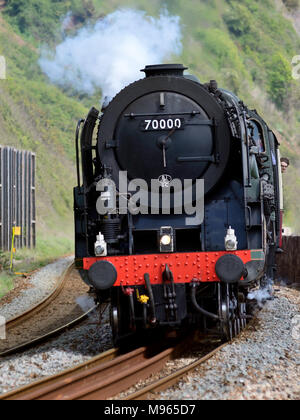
<point>162,124</point>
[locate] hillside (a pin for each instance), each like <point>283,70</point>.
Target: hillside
<point>37,116</point>
<point>246,45</point>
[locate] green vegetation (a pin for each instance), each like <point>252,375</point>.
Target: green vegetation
<point>279,81</point>
<point>37,116</point>
<point>291,4</point>
<point>6,284</point>
<point>269,42</point>
<point>6,281</point>
<point>26,260</point>
<point>246,45</point>
<point>41,19</point>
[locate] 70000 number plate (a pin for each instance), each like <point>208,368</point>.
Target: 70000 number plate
<point>162,124</point>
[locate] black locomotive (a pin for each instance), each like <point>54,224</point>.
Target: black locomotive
<point>163,268</point>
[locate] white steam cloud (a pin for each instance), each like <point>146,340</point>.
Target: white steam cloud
<point>110,54</point>
<point>264,293</point>
<point>85,302</point>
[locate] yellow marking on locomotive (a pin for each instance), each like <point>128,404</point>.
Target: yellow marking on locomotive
<point>142,298</point>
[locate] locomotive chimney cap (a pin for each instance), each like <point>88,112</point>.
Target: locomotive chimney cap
<point>164,70</point>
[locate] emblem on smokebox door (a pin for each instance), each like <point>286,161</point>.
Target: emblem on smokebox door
<point>165,180</point>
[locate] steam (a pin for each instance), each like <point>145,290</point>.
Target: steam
<point>85,302</point>
<point>110,54</point>
<point>265,293</point>
<point>66,22</point>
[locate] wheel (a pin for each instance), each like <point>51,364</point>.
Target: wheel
<point>232,311</point>
<point>238,326</point>
<point>243,314</point>
<point>114,322</point>
<point>225,312</point>
<point>121,319</point>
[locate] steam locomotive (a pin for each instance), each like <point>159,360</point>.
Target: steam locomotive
<point>156,265</point>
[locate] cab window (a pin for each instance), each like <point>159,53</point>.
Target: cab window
<point>256,134</point>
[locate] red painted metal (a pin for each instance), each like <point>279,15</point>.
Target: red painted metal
<point>185,267</point>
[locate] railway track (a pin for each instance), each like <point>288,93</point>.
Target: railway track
<point>106,375</point>
<point>13,322</point>
<point>101,377</point>
<point>109,374</point>
<point>170,380</point>
<point>43,338</point>
<point>35,325</point>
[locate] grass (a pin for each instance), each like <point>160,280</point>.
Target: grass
<point>26,260</point>
<point>6,284</point>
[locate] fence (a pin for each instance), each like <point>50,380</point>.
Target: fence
<point>288,262</point>
<point>17,198</point>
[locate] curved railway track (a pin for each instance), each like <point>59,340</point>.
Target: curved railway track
<point>42,304</point>
<point>47,336</point>
<point>30,320</point>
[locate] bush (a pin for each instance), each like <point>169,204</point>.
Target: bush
<point>239,19</point>
<point>219,43</point>
<point>291,4</point>
<point>4,261</point>
<point>42,18</point>
<point>279,80</point>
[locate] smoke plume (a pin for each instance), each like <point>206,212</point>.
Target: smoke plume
<point>264,293</point>
<point>110,54</point>
<point>85,302</point>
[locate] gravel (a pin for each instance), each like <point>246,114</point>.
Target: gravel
<point>72,301</point>
<point>70,349</point>
<point>262,363</point>
<point>38,287</point>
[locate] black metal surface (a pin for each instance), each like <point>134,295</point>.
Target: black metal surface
<point>168,126</point>
<point>88,172</point>
<point>77,151</point>
<point>86,146</point>
<point>230,268</point>
<point>137,147</point>
<point>102,275</point>
<point>151,298</point>
<point>164,70</point>
<point>254,270</point>
<point>198,308</point>
<point>137,151</point>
